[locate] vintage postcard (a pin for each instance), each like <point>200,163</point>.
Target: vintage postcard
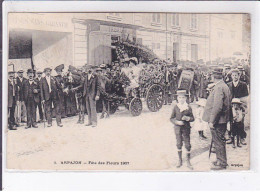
<point>128,91</point>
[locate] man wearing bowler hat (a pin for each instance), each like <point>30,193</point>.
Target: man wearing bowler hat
<point>12,99</point>
<point>39,105</point>
<point>50,97</point>
<point>91,94</point>
<point>31,98</point>
<point>217,114</point>
<point>21,113</point>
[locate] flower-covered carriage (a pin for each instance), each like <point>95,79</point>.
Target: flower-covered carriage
<point>149,89</point>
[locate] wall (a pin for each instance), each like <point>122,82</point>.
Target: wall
<point>52,50</point>
<point>225,35</point>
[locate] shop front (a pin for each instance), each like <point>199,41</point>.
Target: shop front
<point>101,37</point>
<point>39,40</point>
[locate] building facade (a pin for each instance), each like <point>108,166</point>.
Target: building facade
<point>225,35</point>
<point>51,39</point>
<point>170,36</point>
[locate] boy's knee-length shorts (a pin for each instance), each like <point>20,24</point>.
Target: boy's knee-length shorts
<point>182,135</point>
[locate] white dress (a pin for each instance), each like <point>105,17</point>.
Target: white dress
<point>199,124</point>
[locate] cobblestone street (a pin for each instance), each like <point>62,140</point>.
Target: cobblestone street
<point>146,142</point>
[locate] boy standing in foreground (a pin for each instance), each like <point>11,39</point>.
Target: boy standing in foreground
<point>181,118</point>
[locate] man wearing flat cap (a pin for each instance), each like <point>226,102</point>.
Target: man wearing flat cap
<point>21,113</point>
<point>31,98</point>
<point>13,94</point>
<point>50,98</point>
<point>91,94</point>
<point>217,114</point>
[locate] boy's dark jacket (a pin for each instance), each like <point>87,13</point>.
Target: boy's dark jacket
<point>177,115</point>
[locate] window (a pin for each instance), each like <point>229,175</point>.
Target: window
<point>194,21</point>
<point>114,14</point>
<point>156,18</point>
<point>175,20</point>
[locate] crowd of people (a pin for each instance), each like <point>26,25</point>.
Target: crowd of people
<point>222,110</point>
<point>219,91</point>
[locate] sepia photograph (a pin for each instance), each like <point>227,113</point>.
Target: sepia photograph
<point>128,91</point>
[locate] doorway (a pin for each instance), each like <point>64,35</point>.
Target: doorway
<point>114,40</point>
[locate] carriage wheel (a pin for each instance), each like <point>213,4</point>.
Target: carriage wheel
<point>154,98</point>
<point>112,107</point>
<point>136,106</point>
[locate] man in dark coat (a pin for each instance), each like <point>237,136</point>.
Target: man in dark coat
<point>237,87</point>
<point>168,82</point>
<point>91,94</point>
<point>243,76</point>
<point>62,95</point>
<point>13,95</point>
<point>21,113</point>
<point>49,97</point>
<point>31,98</point>
<point>39,105</point>
<point>217,114</point>
<point>79,95</point>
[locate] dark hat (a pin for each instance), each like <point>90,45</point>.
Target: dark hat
<point>190,69</point>
<point>59,67</point>
<point>217,71</point>
<point>98,69</point>
<point>39,72</point>
<point>11,72</point>
<point>170,65</point>
<point>20,71</point>
<point>87,67</point>
<point>30,71</point>
<point>72,68</point>
<point>108,66</point>
<point>181,93</point>
<point>95,67</point>
<point>47,69</point>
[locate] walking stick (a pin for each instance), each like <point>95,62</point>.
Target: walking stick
<point>210,147</point>
<point>43,112</point>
